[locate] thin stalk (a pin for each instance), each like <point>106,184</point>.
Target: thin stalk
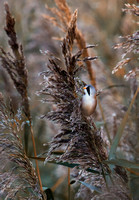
<point>105,125</point>
<point>69,183</point>
<point>132,172</point>
<point>35,154</point>
<point>58,183</point>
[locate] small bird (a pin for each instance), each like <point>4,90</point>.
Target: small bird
<point>89,100</point>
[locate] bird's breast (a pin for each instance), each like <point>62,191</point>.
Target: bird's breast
<point>88,104</point>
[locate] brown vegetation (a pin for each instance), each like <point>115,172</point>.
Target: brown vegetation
<point>92,148</point>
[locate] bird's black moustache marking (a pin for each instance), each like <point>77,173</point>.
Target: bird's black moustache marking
<point>88,90</point>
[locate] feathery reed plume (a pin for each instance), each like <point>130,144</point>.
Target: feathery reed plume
<point>129,143</point>
<point>17,176</point>
<point>79,139</point>
<point>15,65</point>
<point>16,68</point>
<point>132,9</point>
<point>82,143</point>
<point>63,15</point>
<point>129,44</point>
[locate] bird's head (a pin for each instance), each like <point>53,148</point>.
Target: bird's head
<point>89,90</point>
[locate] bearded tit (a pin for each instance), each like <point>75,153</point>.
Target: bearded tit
<point>89,100</point>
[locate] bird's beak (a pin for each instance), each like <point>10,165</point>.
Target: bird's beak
<point>84,88</point>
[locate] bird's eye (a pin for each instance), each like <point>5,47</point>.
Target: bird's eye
<point>88,90</point>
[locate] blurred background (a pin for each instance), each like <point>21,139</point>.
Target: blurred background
<point>101,22</point>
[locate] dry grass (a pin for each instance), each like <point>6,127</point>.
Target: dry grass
<point>16,68</point>
<point>17,175</point>
<point>92,147</point>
